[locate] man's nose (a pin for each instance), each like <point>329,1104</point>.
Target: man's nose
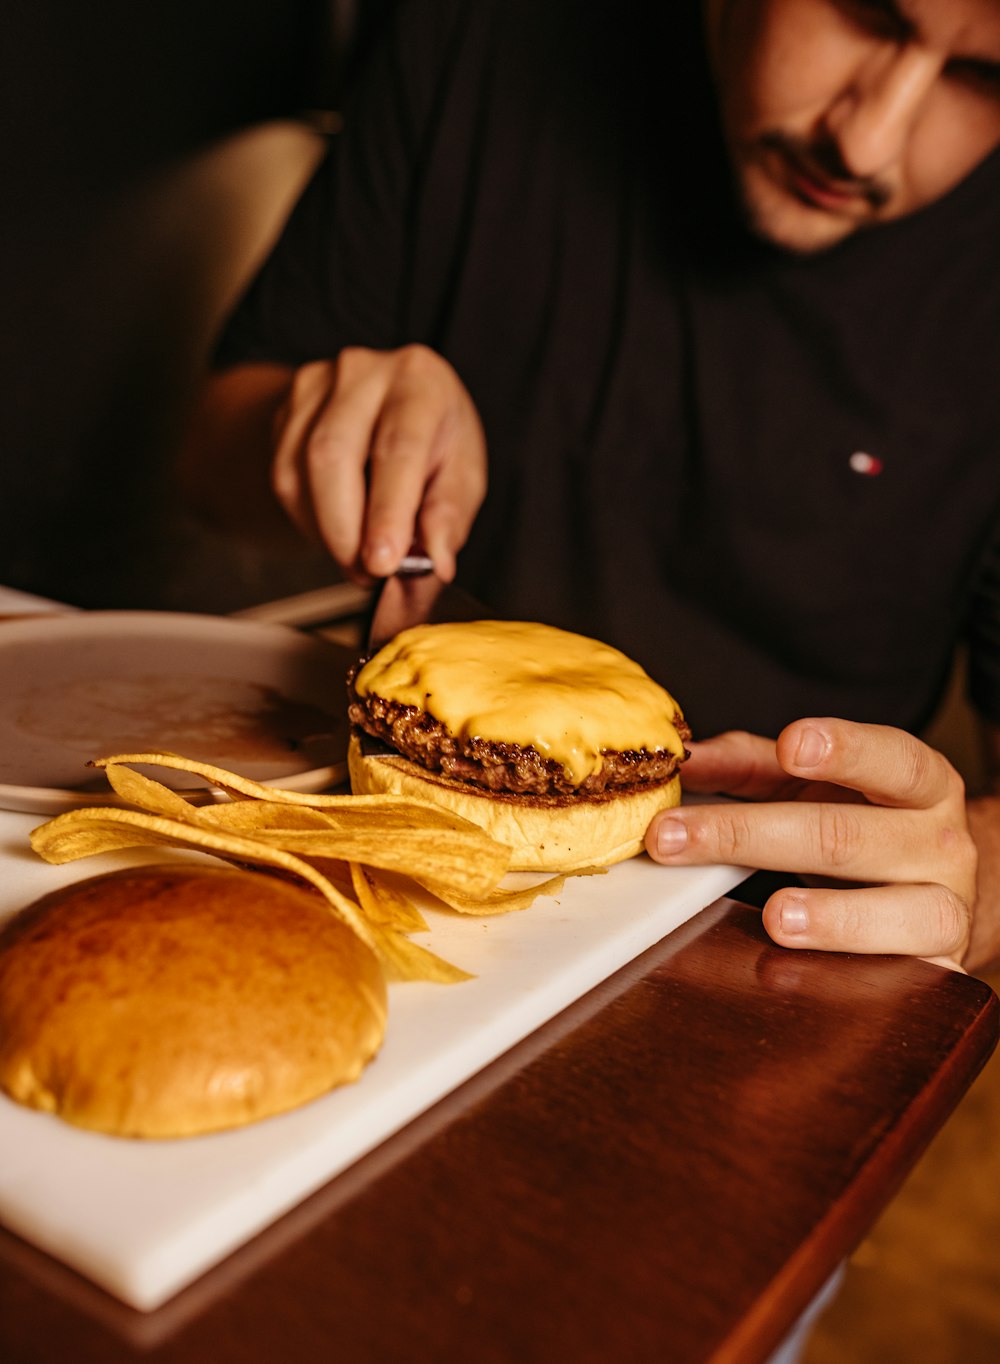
<point>874,116</point>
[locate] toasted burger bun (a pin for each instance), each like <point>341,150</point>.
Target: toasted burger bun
<point>546,833</point>
<point>173,1000</point>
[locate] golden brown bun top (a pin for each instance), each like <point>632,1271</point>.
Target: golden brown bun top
<point>166,1001</point>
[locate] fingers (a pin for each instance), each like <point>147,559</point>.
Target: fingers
<point>887,766</point>
<point>916,920</point>
<point>428,467</point>
<point>869,805</point>
<point>378,449</point>
<point>909,827</point>
<point>309,391</point>
<point>835,839</point>
<point>404,454</point>
<point>451,501</point>
<point>738,764</point>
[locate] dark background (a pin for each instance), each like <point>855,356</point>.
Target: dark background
<point>103,106</point>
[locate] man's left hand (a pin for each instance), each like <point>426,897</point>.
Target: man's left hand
<point>876,815</point>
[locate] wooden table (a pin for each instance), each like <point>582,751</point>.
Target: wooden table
<point>668,1171</point>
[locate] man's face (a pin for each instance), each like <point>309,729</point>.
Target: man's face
<point>839,114</point>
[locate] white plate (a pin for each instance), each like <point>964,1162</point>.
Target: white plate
<point>262,700</point>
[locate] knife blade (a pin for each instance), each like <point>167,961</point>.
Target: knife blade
<point>415,595</point>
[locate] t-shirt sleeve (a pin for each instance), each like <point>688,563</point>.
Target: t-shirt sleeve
<point>338,274</point>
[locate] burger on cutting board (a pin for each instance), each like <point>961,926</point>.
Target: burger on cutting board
<point>560,746</point>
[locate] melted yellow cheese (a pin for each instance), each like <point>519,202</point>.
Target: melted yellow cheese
<point>565,695</point>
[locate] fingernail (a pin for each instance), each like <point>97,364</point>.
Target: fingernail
<point>380,558</point>
<point>671,836</point>
<point>793,917</point>
<point>812,748</point>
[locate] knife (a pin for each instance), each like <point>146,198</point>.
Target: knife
<point>415,595</point>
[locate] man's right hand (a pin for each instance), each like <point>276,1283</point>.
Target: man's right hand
<point>376,451</point>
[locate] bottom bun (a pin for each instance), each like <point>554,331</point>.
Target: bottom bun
<point>546,833</point>
<point>167,1001</point>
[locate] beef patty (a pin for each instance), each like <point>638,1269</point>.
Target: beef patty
<point>506,767</point>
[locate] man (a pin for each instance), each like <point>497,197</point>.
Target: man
<point>713,285</point>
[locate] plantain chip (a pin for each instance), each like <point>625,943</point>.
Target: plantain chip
<point>150,795</point>
<point>234,785</point>
<point>349,848</point>
<point>500,901</point>
<point>248,816</point>
<point>85,832</point>
<point>445,860</point>
<point>387,832</point>
<point>383,903</point>
<point>336,871</point>
<point>407,960</point>
<point>229,782</point>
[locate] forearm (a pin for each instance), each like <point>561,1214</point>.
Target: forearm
<point>223,467</point>
<point>984,823</point>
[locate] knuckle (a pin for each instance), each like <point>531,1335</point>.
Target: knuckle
<point>309,376</point>
<point>417,359</point>
<point>837,835</point>
<point>326,448</point>
<point>954,915</point>
<point>733,836</point>
<point>443,510</point>
<point>738,736</point>
<point>958,845</point>
<point>916,769</point>
<point>396,444</point>
<point>420,369</point>
<point>350,360</point>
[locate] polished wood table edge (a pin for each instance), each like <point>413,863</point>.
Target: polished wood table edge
<point>880,1179</point>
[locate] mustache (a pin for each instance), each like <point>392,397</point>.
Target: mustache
<point>822,156</point>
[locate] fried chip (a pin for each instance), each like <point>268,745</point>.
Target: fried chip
<point>417,839</point>
<point>229,782</point>
<point>404,849</point>
<point>151,796</point>
<point>349,848</point>
<point>248,816</point>
<point>85,832</point>
<point>407,960</point>
<point>234,785</point>
<point>383,903</point>
<point>495,902</point>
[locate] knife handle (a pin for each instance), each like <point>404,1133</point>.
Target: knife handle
<point>415,564</point>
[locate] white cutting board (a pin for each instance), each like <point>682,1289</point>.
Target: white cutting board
<point>143,1219</point>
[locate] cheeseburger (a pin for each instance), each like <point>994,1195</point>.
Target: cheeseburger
<point>559,746</point>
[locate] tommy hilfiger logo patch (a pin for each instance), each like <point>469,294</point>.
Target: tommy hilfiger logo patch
<point>863,463</point>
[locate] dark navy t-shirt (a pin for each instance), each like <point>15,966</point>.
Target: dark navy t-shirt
<point>774,480</point>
